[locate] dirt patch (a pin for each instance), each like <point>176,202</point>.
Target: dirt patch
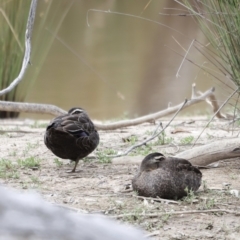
<point>104,188</point>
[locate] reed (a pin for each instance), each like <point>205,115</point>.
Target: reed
<point>220,22</point>
<point>14,14</point>
<point>13,20</point>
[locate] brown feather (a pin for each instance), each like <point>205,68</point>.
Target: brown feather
<point>166,177</point>
<point>71,136</point>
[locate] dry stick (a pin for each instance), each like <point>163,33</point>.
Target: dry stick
<point>51,109</point>
<point>177,213</point>
<point>224,103</point>
<point>26,58</point>
<point>156,199</point>
<point>153,136</point>
<point>177,74</point>
<point>154,116</point>
<point>212,101</point>
<point>31,108</point>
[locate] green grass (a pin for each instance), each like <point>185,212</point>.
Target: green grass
<point>104,155</point>
<point>187,140</point>
<point>190,196</point>
<point>30,146</point>
<point>8,169</point>
<point>30,162</point>
<point>162,140</point>
<point>58,162</point>
<point>37,124</point>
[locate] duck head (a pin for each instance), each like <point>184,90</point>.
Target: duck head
<point>151,161</point>
<point>76,110</point>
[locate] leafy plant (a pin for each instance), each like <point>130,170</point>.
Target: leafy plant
<point>219,21</point>
<point>187,140</point>
<point>8,169</point>
<point>30,162</point>
<point>58,162</point>
<point>190,196</point>
<point>14,16</point>
<point>104,156</point>
<point>162,139</point>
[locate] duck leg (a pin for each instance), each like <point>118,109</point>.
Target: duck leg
<point>76,163</point>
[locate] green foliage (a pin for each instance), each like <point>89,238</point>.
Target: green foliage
<point>190,196</point>
<point>143,150</point>
<point>187,140</point>
<point>37,124</point>
<point>58,162</point>
<point>13,20</point>
<point>8,169</point>
<point>162,139</point>
<point>30,162</point>
<point>221,27</point>
<point>104,155</point>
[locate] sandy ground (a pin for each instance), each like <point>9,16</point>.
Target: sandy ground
<point>105,188</point>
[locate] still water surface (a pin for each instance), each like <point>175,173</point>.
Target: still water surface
<point>119,64</point>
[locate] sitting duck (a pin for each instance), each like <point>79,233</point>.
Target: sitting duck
<point>166,177</point>
<point>71,136</point>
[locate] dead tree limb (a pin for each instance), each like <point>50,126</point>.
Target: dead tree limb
<point>213,152</point>
<point>26,58</point>
<point>177,213</point>
<point>155,134</point>
<point>53,110</point>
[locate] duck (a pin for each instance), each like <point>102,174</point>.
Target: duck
<point>72,136</point>
<point>166,177</point>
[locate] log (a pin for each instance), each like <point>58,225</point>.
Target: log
<point>213,152</point>
<point>199,156</point>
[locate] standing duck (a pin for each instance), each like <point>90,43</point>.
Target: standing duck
<point>71,136</point>
<point>166,177</point>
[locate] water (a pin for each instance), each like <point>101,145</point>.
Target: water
<point>119,65</point>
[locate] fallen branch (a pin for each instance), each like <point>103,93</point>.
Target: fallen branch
<point>156,199</point>
<point>177,213</point>
<point>213,152</point>
<point>26,58</point>
<point>53,110</point>
<point>31,108</point>
<point>217,112</point>
<point>155,134</point>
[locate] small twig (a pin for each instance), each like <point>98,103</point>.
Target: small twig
<point>153,136</point>
<point>17,131</point>
<point>177,213</point>
<point>77,210</point>
<point>177,74</point>
<point>212,101</point>
<point>26,58</point>
<point>156,199</point>
<point>152,234</point>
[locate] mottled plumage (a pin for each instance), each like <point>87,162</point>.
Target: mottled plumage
<point>166,177</point>
<point>72,135</point>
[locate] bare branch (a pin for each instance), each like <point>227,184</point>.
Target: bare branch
<point>154,116</point>
<point>154,135</point>
<point>31,108</point>
<point>224,103</point>
<point>26,58</point>
<point>53,110</point>
<point>178,213</point>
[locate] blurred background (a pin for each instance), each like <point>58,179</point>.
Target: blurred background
<point>115,63</point>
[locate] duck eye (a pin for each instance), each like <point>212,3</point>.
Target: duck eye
<point>77,111</point>
<point>159,158</point>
